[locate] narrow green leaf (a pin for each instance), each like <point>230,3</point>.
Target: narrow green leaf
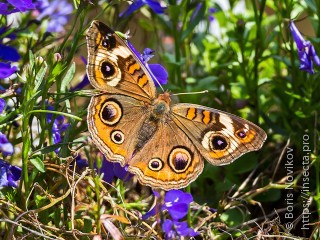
<point>40,75</point>
<point>37,162</point>
<point>68,77</point>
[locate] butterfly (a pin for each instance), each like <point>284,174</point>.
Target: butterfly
<point>162,143</point>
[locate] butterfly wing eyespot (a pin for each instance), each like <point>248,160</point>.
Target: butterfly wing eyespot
<point>117,136</point>
<point>179,159</point>
<point>155,164</point>
<point>213,141</point>
<point>110,112</point>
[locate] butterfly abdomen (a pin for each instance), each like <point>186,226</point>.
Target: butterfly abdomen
<point>158,114</point>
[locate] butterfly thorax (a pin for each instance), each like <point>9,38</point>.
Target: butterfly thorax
<point>161,106</point>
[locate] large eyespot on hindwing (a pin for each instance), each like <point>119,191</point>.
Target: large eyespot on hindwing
<point>117,136</point>
<point>214,141</point>
<point>110,112</point>
<point>155,164</point>
<point>180,159</point>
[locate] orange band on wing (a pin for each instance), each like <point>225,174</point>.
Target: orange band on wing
<point>142,81</point>
<point>134,67</point>
<point>191,113</point>
<point>206,117</point>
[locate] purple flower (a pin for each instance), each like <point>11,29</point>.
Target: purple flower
<point>9,175</point>
<point>58,127</point>
<point>8,53</point>
<point>16,6</point>
<point>307,53</point>
<point>153,4</point>
<point>57,11</point>
<point>174,229</point>
<point>5,146</point>
<point>80,163</point>
<point>158,73</point>
<point>211,11</point>
<point>6,70</point>
<point>176,202</point>
<point>196,11</point>
<point>2,104</point>
<point>114,169</point>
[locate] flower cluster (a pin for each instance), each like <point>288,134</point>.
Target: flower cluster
<point>307,53</point>
<point>176,202</point>
<point>57,11</point>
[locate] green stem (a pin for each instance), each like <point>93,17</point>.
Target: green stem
<point>258,52</point>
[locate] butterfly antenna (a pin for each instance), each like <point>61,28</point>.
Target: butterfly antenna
<point>201,92</point>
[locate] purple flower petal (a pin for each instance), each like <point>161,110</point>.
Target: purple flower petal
<point>2,104</point>
<point>297,37</point>
<point>160,73</point>
<point>178,196</point>
<point>107,169</point>
<point>5,146</point>
<point>177,203</point>
<point>57,11</point>
<point>306,51</point>
<point>155,6</point>
<point>196,11</point>
<point>9,175</point>
<point>85,81</point>
<point>6,70</point>
<point>114,169</point>
<point>22,5</point>
<point>4,9</point>
<point>167,227</point>
<point>8,53</point>
<point>147,55</point>
<point>133,7</point>
<point>183,229</point>
<point>178,211</point>
<point>10,35</point>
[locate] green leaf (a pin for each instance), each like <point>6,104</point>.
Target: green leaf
<point>40,75</point>
<point>37,162</point>
<point>193,22</point>
<point>232,217</point>
<point>68,77</point>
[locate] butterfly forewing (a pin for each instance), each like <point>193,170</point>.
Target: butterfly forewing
<point>113,67</point>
